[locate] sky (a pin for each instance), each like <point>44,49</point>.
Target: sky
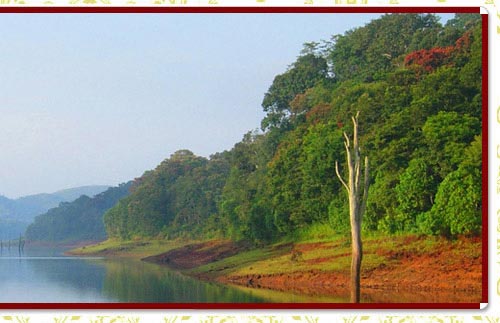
<point>97,99</point>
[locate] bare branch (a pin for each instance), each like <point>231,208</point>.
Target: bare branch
<point>340,177</point>
<point>355,136</point>
<point>347,142</point>
<point>356,176</point>
<point>366,187</point>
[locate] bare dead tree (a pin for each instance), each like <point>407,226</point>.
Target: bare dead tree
<point>358,195</point>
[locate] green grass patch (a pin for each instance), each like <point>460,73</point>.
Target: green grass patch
<point>246,259</point>
<point>133,249</point>
<point>316,232</point>
<point>317,252</point>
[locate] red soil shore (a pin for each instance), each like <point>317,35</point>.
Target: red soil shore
<point>428,277</point>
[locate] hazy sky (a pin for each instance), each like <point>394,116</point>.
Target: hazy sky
<point>98,99</point>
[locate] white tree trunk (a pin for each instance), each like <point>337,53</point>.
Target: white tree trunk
<point>358,194</point>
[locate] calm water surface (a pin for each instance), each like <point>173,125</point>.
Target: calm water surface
<point>42,275</point>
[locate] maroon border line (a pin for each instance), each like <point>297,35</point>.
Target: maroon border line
<point>289,306</point>
<point>215,9</point>
<point>485,208</point>
<point>232,306</point>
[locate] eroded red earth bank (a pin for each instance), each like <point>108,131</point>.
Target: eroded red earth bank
<point>445,275</point>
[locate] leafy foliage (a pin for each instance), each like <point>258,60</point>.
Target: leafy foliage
<point>80,220</point>
<point>364,53</point>
<point>309,70</point>
<point>458,201</point>
<point>429,59</point>
<point>417,85</point>
<point>178,196</point>
<point>415,193</point>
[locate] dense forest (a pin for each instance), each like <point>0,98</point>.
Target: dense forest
<point>79,220</point>
<point>17,214</point>
<point>417,86</point>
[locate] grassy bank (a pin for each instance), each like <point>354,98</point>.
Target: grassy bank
<point>319,265</point>
<point>128,249</point>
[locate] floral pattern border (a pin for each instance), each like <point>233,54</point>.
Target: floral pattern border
<point>244,319</point>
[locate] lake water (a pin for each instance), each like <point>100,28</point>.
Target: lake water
<point>47,276</point>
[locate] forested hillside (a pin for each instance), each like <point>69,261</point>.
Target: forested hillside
<point>417,86</point>
<point>17,214</point>
<point>80,220</point>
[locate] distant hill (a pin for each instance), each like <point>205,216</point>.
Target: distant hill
<point>17,214</point>
<point>79,220</point>
<point>27,207</point>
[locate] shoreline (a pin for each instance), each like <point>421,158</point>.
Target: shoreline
<point>63,245</point>
<point>435,275</point>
